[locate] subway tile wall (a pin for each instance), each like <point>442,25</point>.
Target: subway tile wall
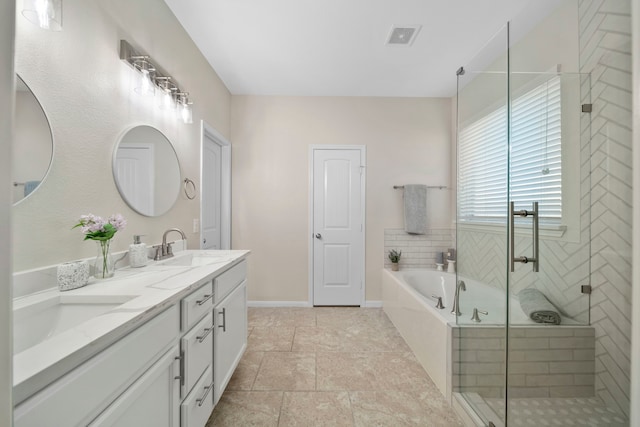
<point>418,250</point>
<point>543,361</point>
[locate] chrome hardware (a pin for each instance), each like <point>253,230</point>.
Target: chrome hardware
<point>536,234</point>
<point>587,108</point>
<point>206,298</point>
<point>318,236</point>
<point>190,194</point>
<point>475,317</point>
<point>456,298</point>
<point>165,251</point>
<point>181,376</point>
<point>439,303</point>
<point>207,389</point>
<point>206,331</point>
<point>585,289</point>
<point>224,320</point>
<point>204,240</point>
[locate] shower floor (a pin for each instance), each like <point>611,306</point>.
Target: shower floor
<point>544,411</point>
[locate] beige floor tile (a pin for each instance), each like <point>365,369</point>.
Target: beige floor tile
<point>356,338</point>
<point>370,372</point>
<point>247,408</point>
<point>270,339</point>
<point>343,317</point>
<point>287,371</point>
<point>278,317</point>
<point>397,408</point>
<point>317,409</point>
<point>245,374</point>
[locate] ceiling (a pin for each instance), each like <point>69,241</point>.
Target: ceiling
<point>338,47</point>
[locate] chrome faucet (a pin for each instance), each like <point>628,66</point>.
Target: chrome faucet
<point>456,298</point>
<point>165,251</point>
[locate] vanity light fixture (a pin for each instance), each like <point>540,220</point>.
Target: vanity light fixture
<point>47,14</point>
<point>167,92</point>
<point>152,77</point>
<point>185,107</point>
<point>145,84</point>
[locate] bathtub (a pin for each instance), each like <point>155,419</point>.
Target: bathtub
<point>430,332</point>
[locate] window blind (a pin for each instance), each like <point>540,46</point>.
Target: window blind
<point>535,172</point>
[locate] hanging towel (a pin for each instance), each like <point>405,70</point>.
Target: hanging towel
<point>415,209</point>
<point>537,307</point>
<point>29,186</point>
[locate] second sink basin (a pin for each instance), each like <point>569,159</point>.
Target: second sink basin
<point>194,260</point>
<point>41,320</point>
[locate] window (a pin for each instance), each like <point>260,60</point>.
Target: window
<point>535,173</point>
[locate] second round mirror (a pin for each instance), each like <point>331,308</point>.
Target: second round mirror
<point>146,171</point>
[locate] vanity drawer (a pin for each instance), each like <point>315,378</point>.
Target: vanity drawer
<point>197,350</point>
<point>228,280</point>
<point>196,305</point>
<point>197,407</point>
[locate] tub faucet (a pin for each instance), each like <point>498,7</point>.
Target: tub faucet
<point>165,251</point>
<point>439,304</point>
<point>475,316</point>
<point>456,298</point>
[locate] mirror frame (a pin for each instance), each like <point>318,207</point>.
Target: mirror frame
<point>114,170</point>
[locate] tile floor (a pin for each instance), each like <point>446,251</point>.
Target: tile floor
<point>329,366</point>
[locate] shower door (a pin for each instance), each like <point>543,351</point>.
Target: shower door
<point>479,376</point>
<point>522,347</point>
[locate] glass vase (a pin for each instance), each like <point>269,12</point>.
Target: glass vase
<point>104,267</point>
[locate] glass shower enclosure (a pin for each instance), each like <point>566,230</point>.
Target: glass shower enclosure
<point>523,349</point>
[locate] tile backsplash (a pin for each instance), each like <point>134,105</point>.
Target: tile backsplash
<point>418,250</point>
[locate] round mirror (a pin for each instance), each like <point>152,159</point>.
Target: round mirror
<point>146,171</point>
<point>33,143</point>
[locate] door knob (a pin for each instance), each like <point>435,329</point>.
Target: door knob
<point>318,236</point>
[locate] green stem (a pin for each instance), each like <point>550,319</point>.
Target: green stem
<point>104,245</point>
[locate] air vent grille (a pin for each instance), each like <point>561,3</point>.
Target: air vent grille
<point>402,35</point>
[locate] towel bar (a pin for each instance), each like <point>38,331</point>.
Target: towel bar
<point>439,187</point>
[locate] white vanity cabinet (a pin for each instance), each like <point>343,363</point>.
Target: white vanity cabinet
<point>168,370</point>
<point>230,338</point>
<point>127,366</point>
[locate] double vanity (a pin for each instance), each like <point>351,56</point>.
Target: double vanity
<point>151,346</point>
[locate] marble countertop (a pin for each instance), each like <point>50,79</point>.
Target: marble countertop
<point>152,289</point>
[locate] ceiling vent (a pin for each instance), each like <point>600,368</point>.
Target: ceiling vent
<point>403,35</point>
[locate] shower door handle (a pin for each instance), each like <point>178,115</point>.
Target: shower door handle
<point>536,251</point>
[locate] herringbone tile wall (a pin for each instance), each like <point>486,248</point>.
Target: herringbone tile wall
<point>605,53</point>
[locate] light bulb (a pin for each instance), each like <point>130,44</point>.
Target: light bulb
<point>187,114</point>
<point>145,86</point>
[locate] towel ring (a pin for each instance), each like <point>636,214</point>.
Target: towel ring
<point>187,181</point>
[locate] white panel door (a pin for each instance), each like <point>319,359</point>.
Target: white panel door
<point>135,172</point>
<point>338,248</point>
<point>211,194</point>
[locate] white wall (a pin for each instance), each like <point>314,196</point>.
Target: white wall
<point>87,93</point>
<point>6,126</point>
<point>408,141</point>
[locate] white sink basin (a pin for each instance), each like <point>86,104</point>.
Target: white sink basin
<point>194,260</point>
<point>38,321</point>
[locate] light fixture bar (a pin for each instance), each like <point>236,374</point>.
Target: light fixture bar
<point>161,79</point>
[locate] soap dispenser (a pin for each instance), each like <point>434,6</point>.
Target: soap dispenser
<point>137,252</point>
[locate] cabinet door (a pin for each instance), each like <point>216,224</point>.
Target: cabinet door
<point>153,400</point>
<point>230,339</point>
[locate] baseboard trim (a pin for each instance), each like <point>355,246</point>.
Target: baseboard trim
<point>278,304</point>
<point>275,304</point>
<point>373,304</point>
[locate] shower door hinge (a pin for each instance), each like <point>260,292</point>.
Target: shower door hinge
<point>585,289</point>
<point>587,108</point>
